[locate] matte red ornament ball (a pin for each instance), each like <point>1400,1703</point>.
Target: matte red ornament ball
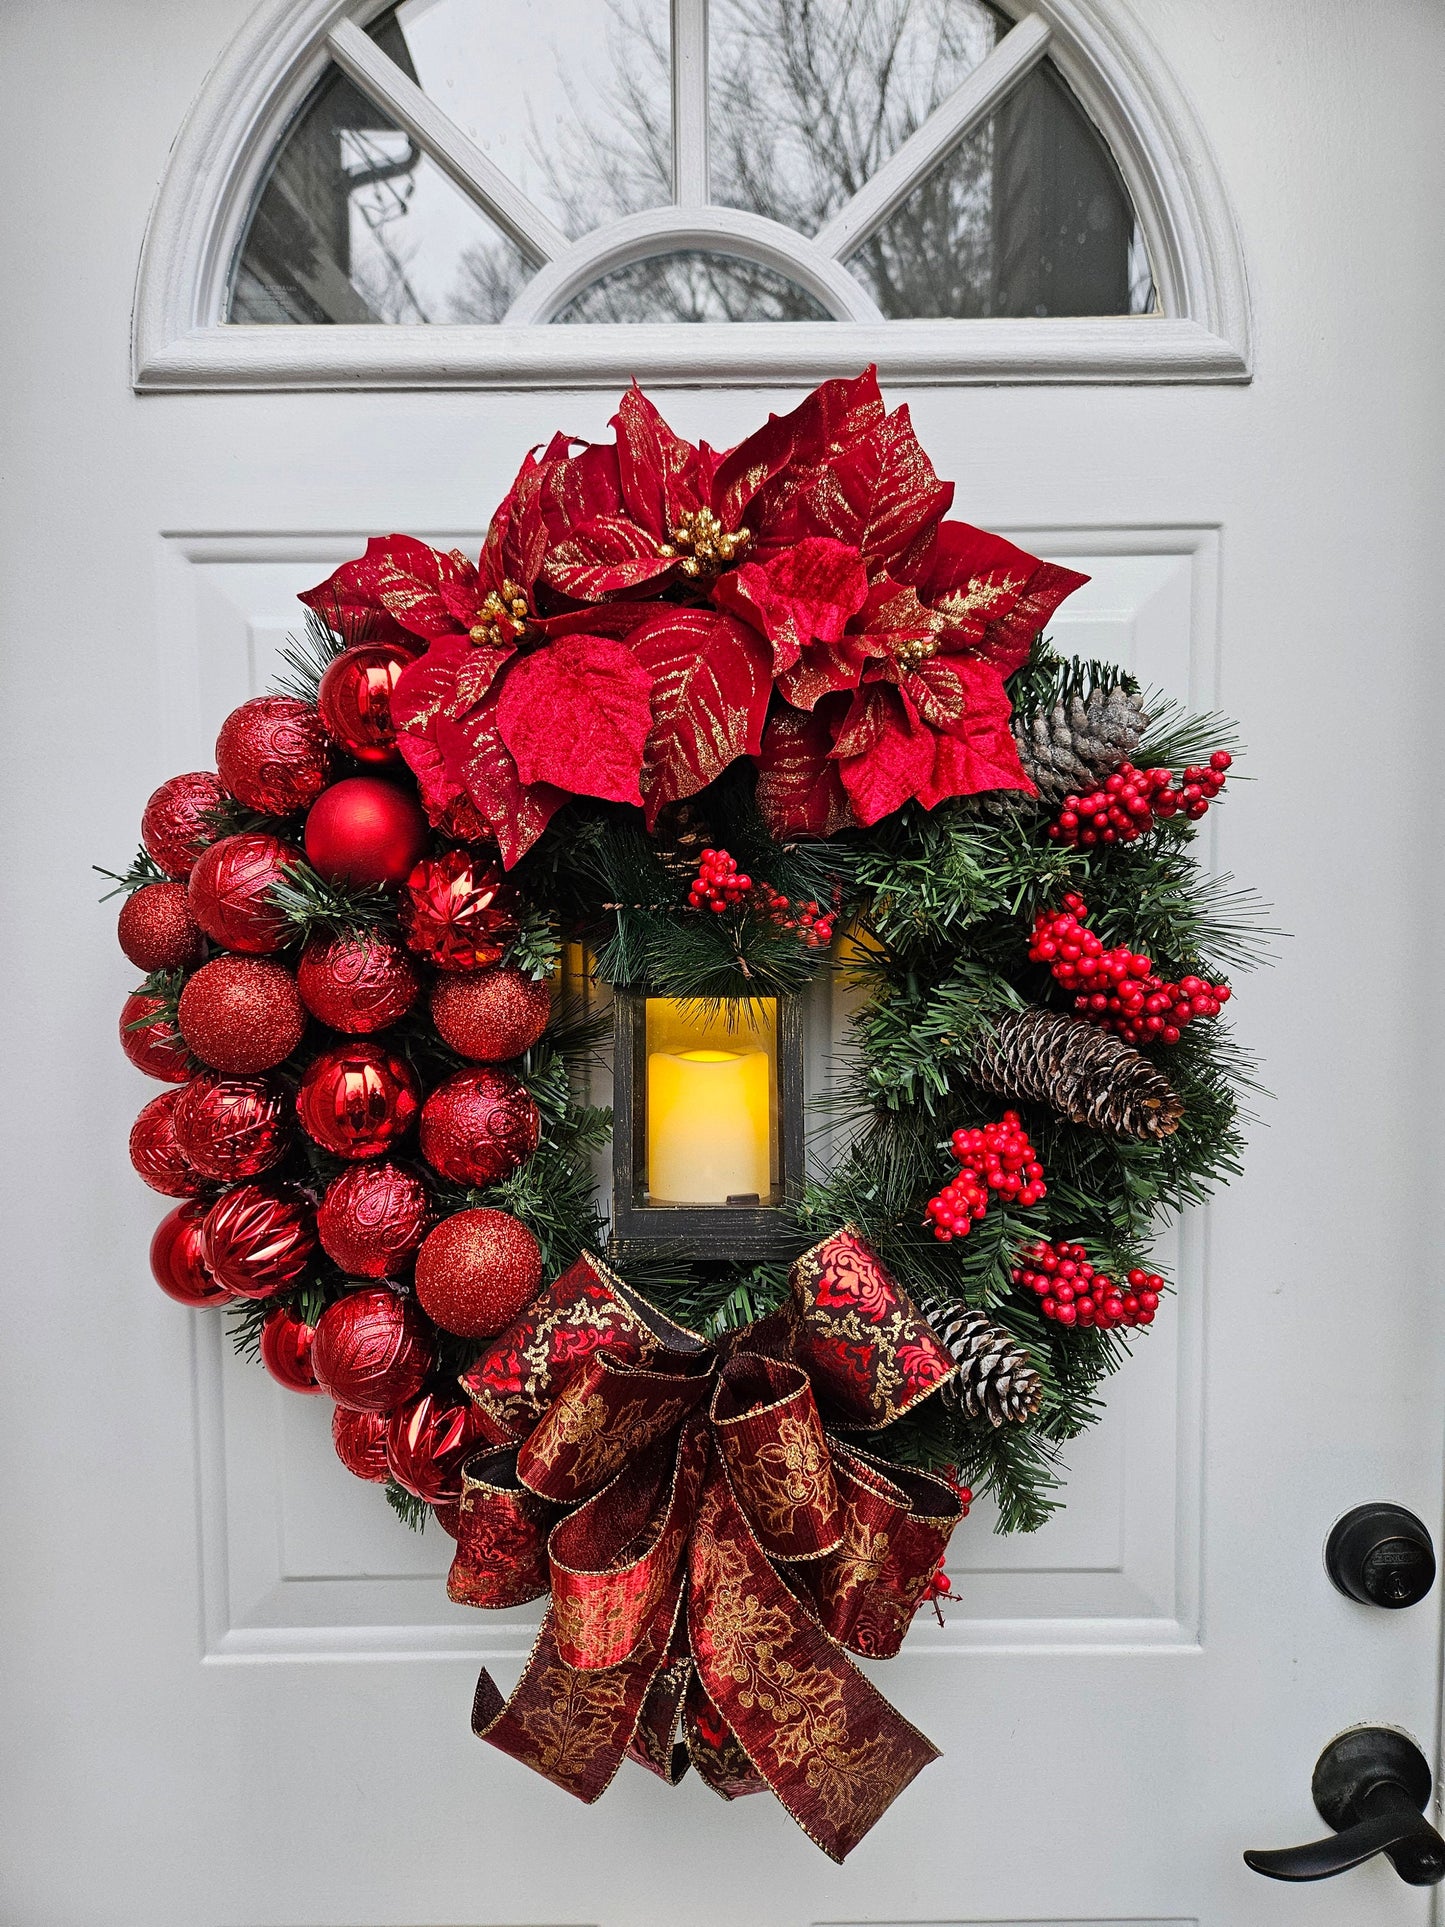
<point>476,1271</point>
<point>258,1242</point>
<point>373,1350</point>
<point>479,1126</point>
<point>491,1015</point>
<point>230,891</point>
<point>286,1343</point>
<point>241,1014</point>
<point>458,911</point>
<point>272,754</point>
<point>426,1442</point>
<point>178,1259</point>
<point>232,1127</point>
<point>357,1100</point>
<point>357,984</point>
<point>152,1042</point>
<point>360,1441</point>
<point>354,699</point>
<point>372,1219</point>
<point>365,830</point>
<point>156,929</point>
<point>156,1155</point>
<point>176,825</point>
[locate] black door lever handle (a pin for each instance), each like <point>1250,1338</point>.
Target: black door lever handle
<point>1371,1784</point>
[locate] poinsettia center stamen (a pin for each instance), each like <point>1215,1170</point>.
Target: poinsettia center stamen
<point>704,544</point>
<point>505,605</point>
<point>914,650</point>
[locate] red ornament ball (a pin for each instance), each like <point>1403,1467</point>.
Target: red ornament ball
<point>372,1350</point>
<point>360,1441</point>
<point>258,1242</point>
<point>476,1271</point>
<point>478,1126</point>
<point>458,911</point>
<point>356,983</point>
<point>272,754</point>
<point>151,1041</point>
<point>365,830</point>
<point>176,825</point>
<point>154,1151</point>
<point>286,1342</point>
<point>372,1219</point>
<point>356,1100</point>
<point>426,1443</point>
<point>241,1014</point>
<point>178,1259</point>
<point>230,891</point>
<point>354,699</point>
<point>231,1127</point>
<point>491,1015</point>
<point>156,928</point>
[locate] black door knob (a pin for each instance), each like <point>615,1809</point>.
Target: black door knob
<point>1372,1785</point>
<point>1381,1555</point>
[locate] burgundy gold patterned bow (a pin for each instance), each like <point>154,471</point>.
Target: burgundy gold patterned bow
<point>710,1544</point>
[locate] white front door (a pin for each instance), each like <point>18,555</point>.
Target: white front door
<point>236,1695</point>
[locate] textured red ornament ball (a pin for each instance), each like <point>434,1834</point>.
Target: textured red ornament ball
<point>156,1155</point>
<point>176,825</point>
<point>241,1014</point>
<point>478,1126</point>
<point>232,1127</point>
<point>372,1350</point>
<point>458,911</point>
<point>286,1342</point>
<point>426,1443</point>
<point>360,1441</point>
<point>354,699</point>
<point>476,1271</point>
<point>372,1219</point>
<point>178,1259</point>
<point>156,929</point>
<point>357,983</point>
<point>272,754</point>
<point>230,891</point>
<point>152,1043</point>
<point>356,1100</point>
<point>365,830</point>
<point>491,1015</point>
<point>258,1242</point>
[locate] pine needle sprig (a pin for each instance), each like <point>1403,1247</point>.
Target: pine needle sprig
<point>307,658</point>
<point>143,870</point>
<point>313,906</point>
<point>412,1512</point>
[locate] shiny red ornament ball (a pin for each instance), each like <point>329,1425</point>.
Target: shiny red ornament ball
<point>479,1126</point>
<point>156,929</point>
<point>365,830</point>
<point>241,1014</point>
<point>230,891</point>
<point>459,912</point>
<point>286,1342</point>
<point>178,1259</point>
<point>476,1271</point>
<point>357,983</point>
<point>360,1441</point>
<point>354,699</point>
<point>356,1100</point>
<point>372,1351</point>
<point>273,756</point>
<point>156,1155</point>
<point>152,1042</point>
<point>426,1443</point>
<point>177,824</point>
<point>491,1015</point>
<point>372,1219</point>
<point>258,1242</point>
<point>232,1127</point>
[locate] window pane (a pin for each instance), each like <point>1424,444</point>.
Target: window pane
<point>689,285</point>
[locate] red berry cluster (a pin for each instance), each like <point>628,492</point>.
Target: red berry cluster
<point>1128,801</point>
<point>720,885</point>
<point>997,1158</point>
<point>1118,988</point>
<point>1074,1293</point>
<point>940,1585</point>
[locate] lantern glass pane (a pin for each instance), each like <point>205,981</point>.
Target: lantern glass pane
<point>710,1092</point>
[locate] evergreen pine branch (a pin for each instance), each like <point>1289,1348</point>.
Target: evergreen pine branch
<point>314,906</point>
<point>1047,679</point>
<point>143,870</point>
<point>307,658</point>
<point>1175,738</point>
<point>408,1508</point>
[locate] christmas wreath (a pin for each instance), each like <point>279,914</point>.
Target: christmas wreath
<point>707,725</point>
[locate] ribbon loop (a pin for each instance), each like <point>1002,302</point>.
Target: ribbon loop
<point>771,1437</point>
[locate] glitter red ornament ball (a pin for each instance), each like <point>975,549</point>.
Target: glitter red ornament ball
<point>272,754</point>
<point>230,891</point>
<point>156,929</point>
<point>177,825</point>
<point>426,1443</point>
<point>491,1015</point>
<point>232,1127</point>
<point>364,830</point>
<point>458,911</point>
<point>479,1126</point>
<point>372,1219</point>
<point>354,699</point>
<point>286,1343</point>
<point>360,1441</point>
<point>156,1155</point>
<point>258,1242</point>
<point>178,1259</point>
<point>476,1271</point>
<point>357,983</point>
<point>356,1100</point>
<point>372,1350</point>
<point>241,1014</point>
<point>151,1041</point>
